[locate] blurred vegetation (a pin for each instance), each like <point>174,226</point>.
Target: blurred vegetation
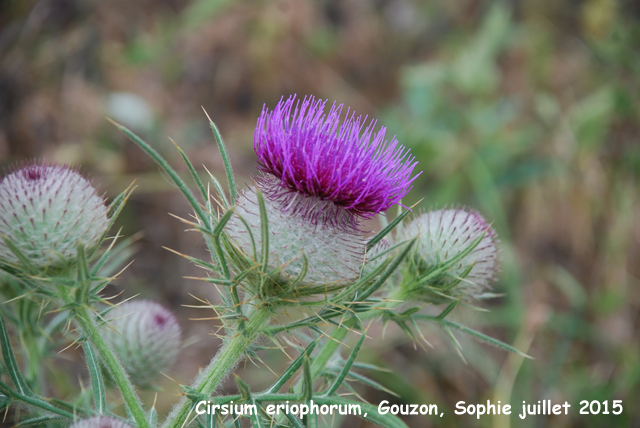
<point>527,110</point>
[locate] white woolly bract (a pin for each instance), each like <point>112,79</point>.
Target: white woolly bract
<point>443,234</point>
<point>333,253</point>
<point>100,422</point>
<point>46,211</point>
<point>146,337</point>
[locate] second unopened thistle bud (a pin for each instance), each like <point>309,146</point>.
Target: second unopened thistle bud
<point>443,238</point>
<point>146,337</point>
<point>46,211</point>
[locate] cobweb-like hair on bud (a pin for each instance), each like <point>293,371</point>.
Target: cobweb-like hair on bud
<point>313,154</point>
<point>443,234</point>
<point>333,254</point>
<point>46,210</point>
<point>146,337</point>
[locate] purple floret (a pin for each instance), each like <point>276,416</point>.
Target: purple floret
<point>349,164</point>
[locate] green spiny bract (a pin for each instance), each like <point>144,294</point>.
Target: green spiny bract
<point>443,238</point>
<point>46,211</point>
<point>146,337</point>
<point>100,422</point>
<point>333,254</point>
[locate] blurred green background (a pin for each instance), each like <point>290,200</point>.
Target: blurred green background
<point>527,110</point>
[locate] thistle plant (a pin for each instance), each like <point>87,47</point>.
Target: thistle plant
<point>293,239</point>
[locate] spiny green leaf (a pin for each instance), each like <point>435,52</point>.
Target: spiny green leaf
<point>10,362</point>
<point>293,367</point>
<point>347,366</point>
<point>264,229</point>
<point>115,208</point>
<point>384,232</point>
<point>225,159</point>
<point>38,421</point>
<point>167,168</point>
<point>307,380</point>
<point>297,423</point>
<point>95,374</point>
<point>192,170</point>
<point>244,389</point>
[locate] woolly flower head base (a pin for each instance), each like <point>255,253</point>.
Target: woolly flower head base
<point>443,235</point>
<point>146,337</point>
<point>333,255</point>
<point>310,153</point>
<point>100,422</point>
<point>46,211</point>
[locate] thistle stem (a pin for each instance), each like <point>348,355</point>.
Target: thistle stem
<point>90,329</point>
<point>218,369</point>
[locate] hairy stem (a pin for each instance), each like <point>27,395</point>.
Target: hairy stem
<point>218,369</point>
<point>90,329</point>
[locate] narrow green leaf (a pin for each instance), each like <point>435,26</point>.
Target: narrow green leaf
<point>82,267</point>
<point>250,232</point>
<point>37,421</point>
<point>95,374</point>
<point>387,273</point>
<point>297,423</point>
<point>167,168</point>
<point>244,389</point>
<point>10,362</point>
<point>347,367</point>
<point>448,310</point>
<point>219,190</point>
<point>216,241</point>
<point>225,159</point>
<point>153,417</point>
<point>210,421</point>
<point>485,338</point>
<point>384,232</point>
<point>293,367</point>
<point>5,401</point>
<point>371,383</point>
<point>264,229</point>
<point>115,208</point>
<point>307,380</point>
<point>24,260</point>
<point>192,170</point>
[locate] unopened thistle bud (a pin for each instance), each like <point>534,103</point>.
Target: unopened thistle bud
<point>146,337</point>
<point>100,422</point>
<point>320,179</point>
<point>442,236</point>
<point>46,211</point>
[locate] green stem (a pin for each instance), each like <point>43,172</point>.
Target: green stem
<point>88,326</point>
<point>218,369</point>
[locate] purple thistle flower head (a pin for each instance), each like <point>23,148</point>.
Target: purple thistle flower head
<point>313,155</point>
